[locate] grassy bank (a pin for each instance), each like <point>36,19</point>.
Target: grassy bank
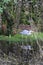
<point>19,37</point>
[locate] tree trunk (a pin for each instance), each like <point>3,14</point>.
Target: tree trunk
<point>18,11</point>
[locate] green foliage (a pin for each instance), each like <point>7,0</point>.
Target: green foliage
<point>24,18</point>
<point>35,11</point>
<point>1,10</point>
<point>15,1</point>
<point>11,9</point>
<point>8,14</point>
<point>6,1</point>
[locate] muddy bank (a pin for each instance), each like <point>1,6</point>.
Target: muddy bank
<point>18,54</point>
<point>14,47</point>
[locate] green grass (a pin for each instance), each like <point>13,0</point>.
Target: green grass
<point>19,37</point>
